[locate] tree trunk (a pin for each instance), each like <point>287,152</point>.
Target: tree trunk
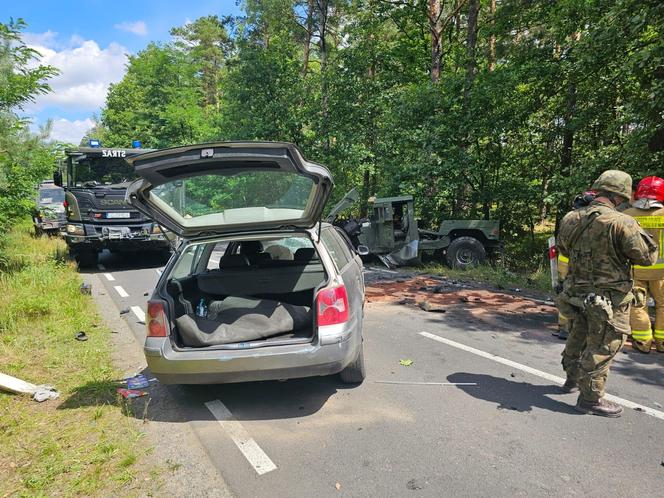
<point>471,44</point>
<point>435,28</point>
<point>323,7</point>
<point>492,38</point>
<point>307,40</point>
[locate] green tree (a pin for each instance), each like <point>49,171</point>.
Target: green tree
<point>24,157</point>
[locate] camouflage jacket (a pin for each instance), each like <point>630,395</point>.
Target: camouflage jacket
<point>602,245</point>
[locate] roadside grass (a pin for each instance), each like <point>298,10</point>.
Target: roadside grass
<point>538,281</point>
<point>82,443</point>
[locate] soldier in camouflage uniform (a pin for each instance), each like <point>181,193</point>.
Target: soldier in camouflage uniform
<point>602,245</point>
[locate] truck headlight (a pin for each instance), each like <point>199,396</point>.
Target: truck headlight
<point>75,229</point>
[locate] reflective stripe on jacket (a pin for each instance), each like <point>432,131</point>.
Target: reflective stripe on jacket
<point>651,220</point>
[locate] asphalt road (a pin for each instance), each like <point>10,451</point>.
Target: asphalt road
<point>512,433</point>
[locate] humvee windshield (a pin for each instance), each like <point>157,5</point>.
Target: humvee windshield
<point>103,170</point>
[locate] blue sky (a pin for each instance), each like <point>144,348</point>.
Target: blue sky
<point>89,42</point>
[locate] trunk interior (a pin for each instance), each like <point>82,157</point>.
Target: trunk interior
<point>260,293</point>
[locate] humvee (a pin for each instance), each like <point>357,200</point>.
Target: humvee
<point>391,233</point>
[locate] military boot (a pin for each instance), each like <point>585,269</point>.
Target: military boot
<point>659,344</point>
<point>570,386</point>
<point>642,346</point>
<point>601,407</point>
<point>562,334</point>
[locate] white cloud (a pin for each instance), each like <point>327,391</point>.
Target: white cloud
<point>70,131</point>
<point>46,39</point>
<point>137,27</point>
<point>86,71</point>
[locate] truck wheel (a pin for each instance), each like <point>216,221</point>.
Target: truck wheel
<point>355,372</point>
<point>465,252</point>
<point>86,259</point>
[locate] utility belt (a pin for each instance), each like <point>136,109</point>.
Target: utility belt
<point>598,304</point>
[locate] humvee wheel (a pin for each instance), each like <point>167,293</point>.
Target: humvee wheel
<point>465,252</point>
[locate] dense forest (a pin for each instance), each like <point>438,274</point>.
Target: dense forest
<point>501,109</point>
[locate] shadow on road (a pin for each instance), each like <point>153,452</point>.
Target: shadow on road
<point>126,261</point>
<point>513,395</point>
<point>644,369</point>
<point>184,403</point>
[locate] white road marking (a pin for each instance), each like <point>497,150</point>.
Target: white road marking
<point>101,267</point>
<point>109,277</point>
<point>140,314</point>
<point>538,373</point>
<point>245,443</point>
<point>121,291</point>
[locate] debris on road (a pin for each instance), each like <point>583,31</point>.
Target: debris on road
<point>81,336</point>
<point>131,393</point>
<point>406,363</point>
<point>428,307</point>
<point>86,289</point>
<point>137,382</point>
<point>484,307</point>
<point>413,485</point>
<point>338,486</point>
<point>124,311</point>
<point>39,392</point>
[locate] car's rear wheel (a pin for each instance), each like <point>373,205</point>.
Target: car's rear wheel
<point>355,372</point>
<point>465,252</point>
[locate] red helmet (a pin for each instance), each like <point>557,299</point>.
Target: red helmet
<point>651,187</point>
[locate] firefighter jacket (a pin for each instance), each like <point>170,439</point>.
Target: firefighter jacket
<point>652,221</point>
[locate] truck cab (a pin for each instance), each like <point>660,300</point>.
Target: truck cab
<point>97,215</point>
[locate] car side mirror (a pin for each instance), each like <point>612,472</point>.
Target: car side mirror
<point>362,250</point>
<point>57,178</point>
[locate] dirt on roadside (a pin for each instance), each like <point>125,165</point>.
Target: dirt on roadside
<point>484,307</point>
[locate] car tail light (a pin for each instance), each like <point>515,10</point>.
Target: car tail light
<point>65,204</point>
<point>156,319</point>
<point>332,306</point>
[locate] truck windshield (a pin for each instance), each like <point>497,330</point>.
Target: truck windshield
<point>102,170</point>
<point>51,195</point>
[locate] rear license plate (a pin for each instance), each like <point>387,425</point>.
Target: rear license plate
<point>118,215</point>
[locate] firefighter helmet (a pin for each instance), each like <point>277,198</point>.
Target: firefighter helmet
<point>651,187</point>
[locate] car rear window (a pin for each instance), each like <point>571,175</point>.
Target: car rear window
<point>252,196</point>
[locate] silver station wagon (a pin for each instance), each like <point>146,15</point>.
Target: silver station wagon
<point>260,288</point>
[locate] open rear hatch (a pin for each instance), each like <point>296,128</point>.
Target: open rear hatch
<point>215,189</point>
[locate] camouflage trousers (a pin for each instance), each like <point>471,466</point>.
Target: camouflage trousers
<point>591,346</point>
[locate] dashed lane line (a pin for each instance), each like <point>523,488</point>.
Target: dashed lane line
<point>109,277</point>
<point>140,314</point>
<point>121,291</point>
<point>245,443</point>
<point>538,373</point>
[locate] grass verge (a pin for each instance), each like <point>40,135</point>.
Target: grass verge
<point>82,443</point>
<point>538,282</point>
